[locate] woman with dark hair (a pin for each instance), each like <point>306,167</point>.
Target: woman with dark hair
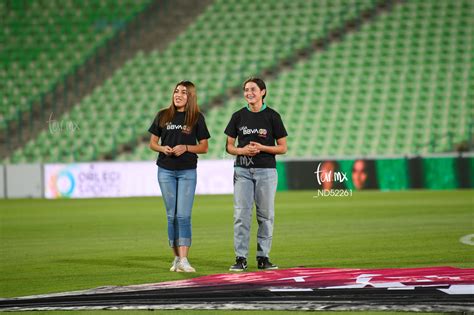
<point>261,135</point>
<point>179,133</point>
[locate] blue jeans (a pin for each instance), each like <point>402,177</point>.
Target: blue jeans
<point>254,185</point>
<point>178,188</point>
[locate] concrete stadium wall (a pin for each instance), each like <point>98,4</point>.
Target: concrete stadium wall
<point>2,182</point>
<point>24,181</point>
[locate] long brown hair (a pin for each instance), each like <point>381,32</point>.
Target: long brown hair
<point>191,110</point>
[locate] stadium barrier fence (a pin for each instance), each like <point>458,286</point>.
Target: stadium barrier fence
<point>135,179</point>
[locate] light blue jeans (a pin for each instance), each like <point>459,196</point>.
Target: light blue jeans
<point>178,188</point>
<point>254,185</point>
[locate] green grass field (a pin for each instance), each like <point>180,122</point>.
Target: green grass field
<point>64,245</point>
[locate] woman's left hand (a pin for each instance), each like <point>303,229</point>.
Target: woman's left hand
<point>179,149</point>
<point>258,146</point>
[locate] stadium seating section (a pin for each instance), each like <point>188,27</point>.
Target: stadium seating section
<point>45,39</point>
<point>389,88</point>
<point>398,84</point>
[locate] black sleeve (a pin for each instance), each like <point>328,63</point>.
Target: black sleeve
<point>201,128</point>
<point>155,127</point>
<point>231,129</point>
<point>279,130</point>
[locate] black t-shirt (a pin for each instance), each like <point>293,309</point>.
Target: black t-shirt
<point>264,127</point>
<point>172,134</point>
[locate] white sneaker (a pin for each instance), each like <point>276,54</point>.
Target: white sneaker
<point>184,266</point>
<point>174,266</point>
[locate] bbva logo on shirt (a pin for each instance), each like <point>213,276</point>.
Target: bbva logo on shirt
<point>171,126</point>
<point>250,131</point>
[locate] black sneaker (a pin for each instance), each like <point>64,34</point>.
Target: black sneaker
<point>265,264</point>
<point>240,264</point>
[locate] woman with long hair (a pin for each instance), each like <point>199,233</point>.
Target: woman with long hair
<point>179,133</point>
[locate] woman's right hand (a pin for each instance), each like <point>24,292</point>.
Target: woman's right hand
<point>167,150</point>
